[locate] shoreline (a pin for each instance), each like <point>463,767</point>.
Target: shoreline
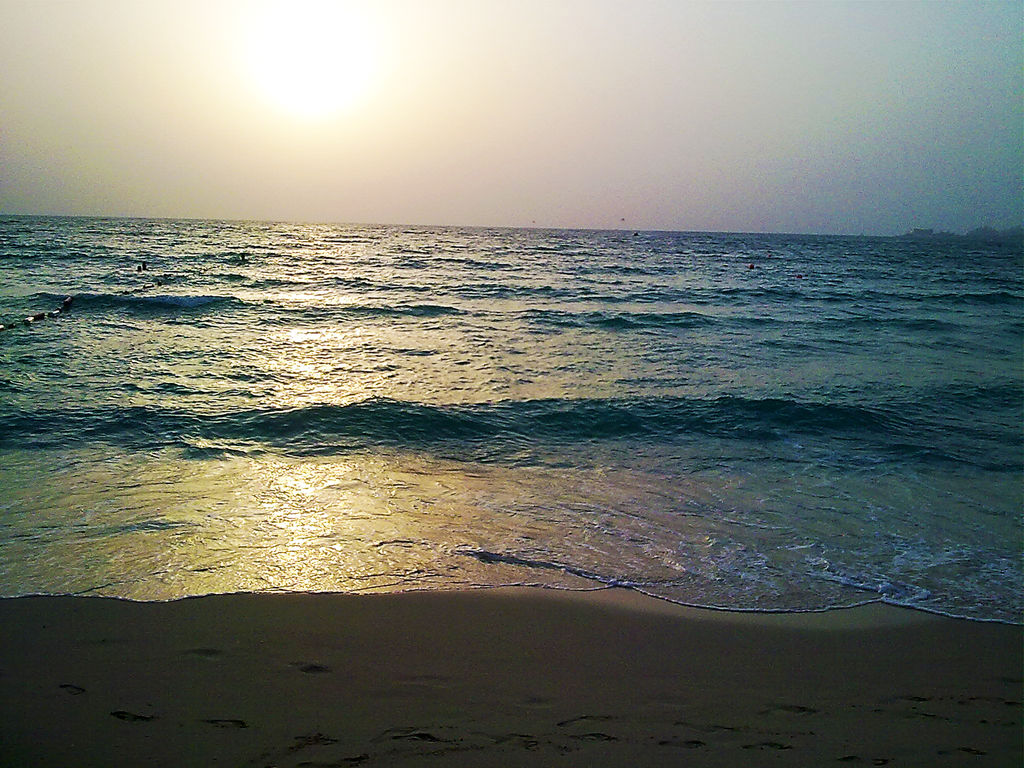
<point>499,676</point>
<point>863,609</point>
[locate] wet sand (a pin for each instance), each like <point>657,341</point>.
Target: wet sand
<point>509,677</point>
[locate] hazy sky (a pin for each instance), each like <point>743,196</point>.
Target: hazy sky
<point>868,117</point>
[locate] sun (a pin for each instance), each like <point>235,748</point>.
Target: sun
<point>309,59</point>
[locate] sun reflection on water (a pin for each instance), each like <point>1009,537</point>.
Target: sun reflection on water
<point>322,366</point>
<point>161,526</point>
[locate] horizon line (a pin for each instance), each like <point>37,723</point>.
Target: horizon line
<point>535,227</point>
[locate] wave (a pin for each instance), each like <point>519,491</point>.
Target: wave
<point>997,395</point>
<point>992,297</point>
<point>898,297</point>
<point>810,292</point>
<point>399,310</point>
<point>617,321</point>
<point>495,290</point>
<point>509,429</point>
<point>478,265</point>
<point>922,324</point>
<point>142,301</point>
<point>287,313</point>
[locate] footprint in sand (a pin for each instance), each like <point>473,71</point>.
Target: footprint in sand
<point>227,723</point>
<point>524,740</point>
<point>916,699</point>
<point>965,750</point>
<point>594,736</point>
<point>584,719</point>
<point>859,759</point>
<point>789,709</point>
<point>132,717</point>
<point>768,745</point>
<point>410,734</point>
<point>589,735</point>
<point>688,744</point>
<point>709,727</point>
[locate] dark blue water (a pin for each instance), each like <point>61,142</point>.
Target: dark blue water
<point>761,422</point>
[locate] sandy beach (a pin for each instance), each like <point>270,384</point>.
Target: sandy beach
<point>499,677</point>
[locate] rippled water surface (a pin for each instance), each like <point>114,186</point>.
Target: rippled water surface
<point>744,421</point>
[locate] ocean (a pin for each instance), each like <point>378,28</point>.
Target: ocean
<point>738,421</point>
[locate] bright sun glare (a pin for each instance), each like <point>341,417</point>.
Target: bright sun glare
<point>310,59</point>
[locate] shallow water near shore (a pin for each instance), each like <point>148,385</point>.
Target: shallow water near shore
<point>754,422</point>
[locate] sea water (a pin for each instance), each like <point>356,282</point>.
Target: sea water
<point>755,422</point>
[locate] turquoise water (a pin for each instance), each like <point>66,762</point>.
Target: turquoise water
<point>760,422</point>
